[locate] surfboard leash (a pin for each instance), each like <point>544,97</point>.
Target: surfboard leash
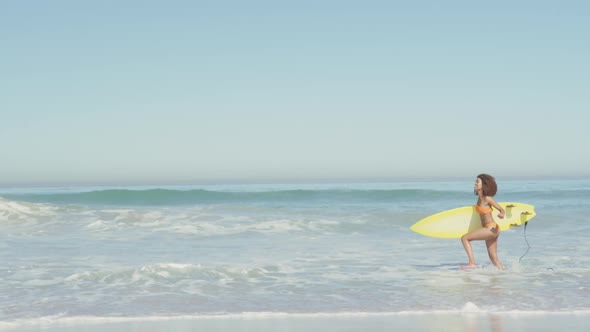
<point>527,242</point>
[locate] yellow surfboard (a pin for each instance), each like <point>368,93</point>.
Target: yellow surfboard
<point>452,224</point>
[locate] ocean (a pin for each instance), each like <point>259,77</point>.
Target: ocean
<point>74,254</point>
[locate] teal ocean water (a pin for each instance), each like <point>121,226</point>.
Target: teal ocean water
<point>293,249</point>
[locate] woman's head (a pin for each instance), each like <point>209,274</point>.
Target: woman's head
<point>488,184</point>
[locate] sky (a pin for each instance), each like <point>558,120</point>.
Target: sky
<point>261,91</point>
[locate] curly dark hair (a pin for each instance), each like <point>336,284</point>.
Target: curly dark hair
<point>488,183</point>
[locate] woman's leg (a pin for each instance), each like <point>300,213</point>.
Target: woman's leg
<point>492,246</point>
<point>478,234</point>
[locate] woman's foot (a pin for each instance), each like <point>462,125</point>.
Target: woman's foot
<point>469,267</point>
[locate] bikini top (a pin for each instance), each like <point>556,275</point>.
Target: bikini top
<point>483,210</point>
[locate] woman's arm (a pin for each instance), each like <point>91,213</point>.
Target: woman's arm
<point>490,200</point>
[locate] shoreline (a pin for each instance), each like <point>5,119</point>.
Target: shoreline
<point>413,321</point>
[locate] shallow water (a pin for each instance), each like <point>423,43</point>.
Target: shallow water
<point>298,249</point>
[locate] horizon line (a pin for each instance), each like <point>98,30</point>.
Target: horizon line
<point>261,181</point>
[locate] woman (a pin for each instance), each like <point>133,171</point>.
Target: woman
<point>485,188</point>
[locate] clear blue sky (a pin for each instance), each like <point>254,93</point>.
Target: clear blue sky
<point>216,91</point>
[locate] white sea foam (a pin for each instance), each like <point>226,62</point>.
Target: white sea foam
<point>22,211</point>
<point>182,272</point>
<point>100,225</point>
<point>471,308</point>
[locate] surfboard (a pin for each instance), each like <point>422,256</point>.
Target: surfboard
<point>454,223</point>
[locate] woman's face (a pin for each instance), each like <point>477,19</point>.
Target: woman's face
<point>477,186</point>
